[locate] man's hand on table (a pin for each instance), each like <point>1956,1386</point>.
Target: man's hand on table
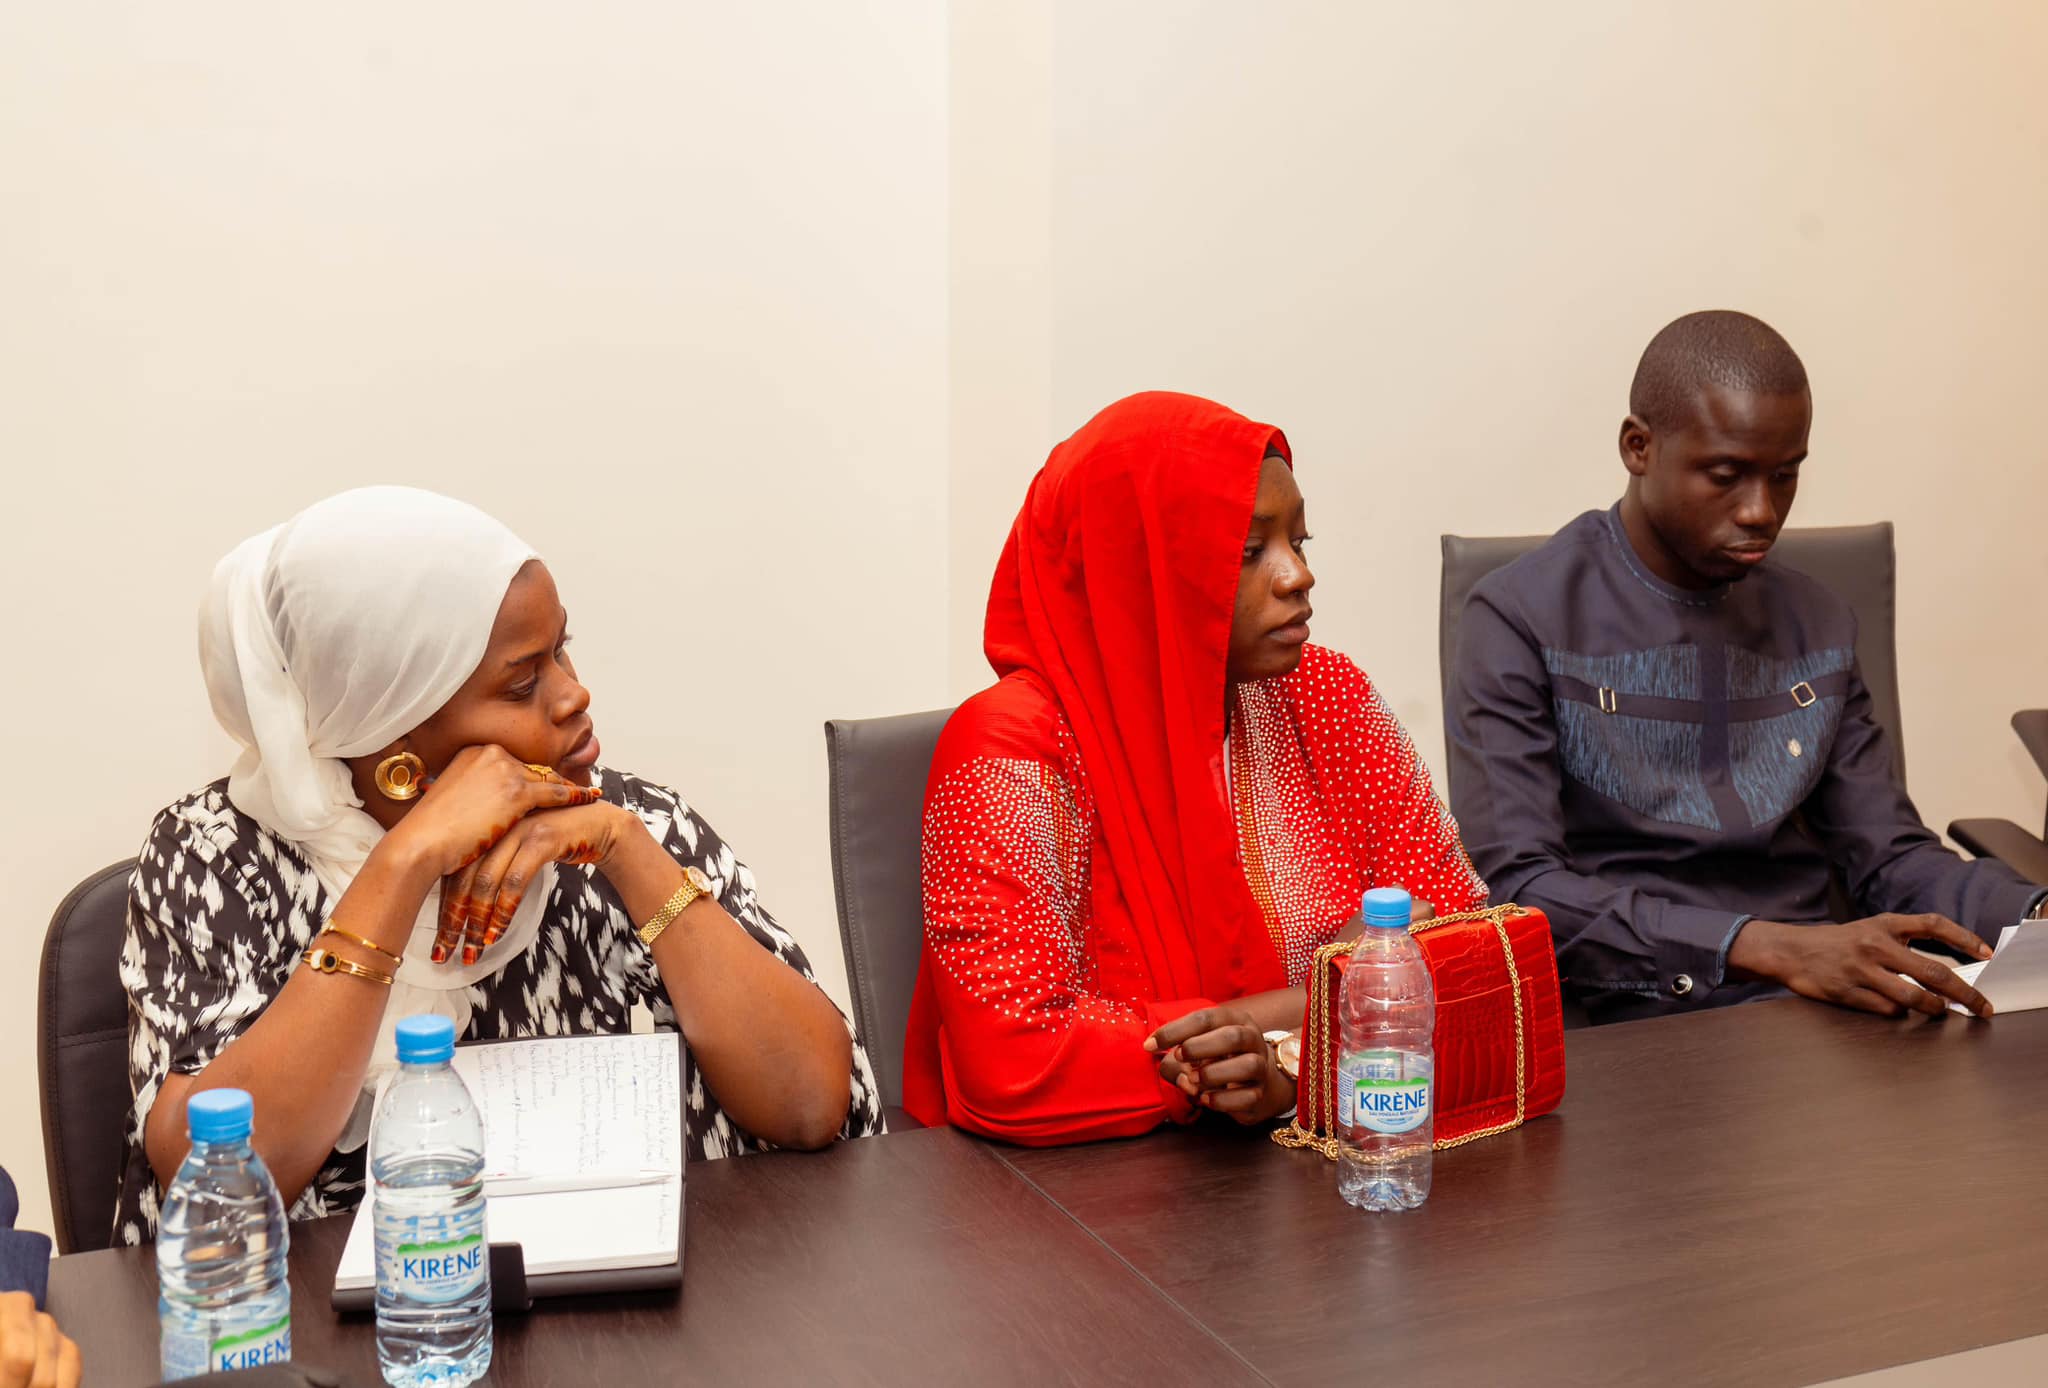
<point>1859,964</point>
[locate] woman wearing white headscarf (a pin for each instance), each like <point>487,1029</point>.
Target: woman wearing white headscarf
<point>417,822</point>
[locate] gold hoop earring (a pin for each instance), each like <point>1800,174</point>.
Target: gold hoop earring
<point>399,776</point>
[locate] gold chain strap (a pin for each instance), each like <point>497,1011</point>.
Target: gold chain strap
<point>1298,1134</point>
<point>1310,1122</point>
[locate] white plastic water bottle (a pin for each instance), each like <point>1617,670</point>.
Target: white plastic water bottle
<point>224,1300</point>
<point>427,1177</point>
<point>1386,1076</point>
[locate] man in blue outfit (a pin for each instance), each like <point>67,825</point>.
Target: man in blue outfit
<point>1660,737</point>
<point>33,1352</point>
<point>24,1257</point>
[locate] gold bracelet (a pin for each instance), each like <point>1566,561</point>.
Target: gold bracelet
<point>393,955</point>
<point>326,961</point>
<point>695,884</point>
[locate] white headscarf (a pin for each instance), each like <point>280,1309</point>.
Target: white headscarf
<point>330,636</point>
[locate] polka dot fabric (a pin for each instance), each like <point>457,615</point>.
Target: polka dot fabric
<point>1029,979</point>
<point>1332,800</point>
<point>1007,858</point>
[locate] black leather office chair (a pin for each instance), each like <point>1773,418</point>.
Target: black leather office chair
<point>82,1057</point>
<point>878,768</point>
<point>2024,853</point>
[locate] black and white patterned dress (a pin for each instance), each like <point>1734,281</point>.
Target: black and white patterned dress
<point>220,910</point>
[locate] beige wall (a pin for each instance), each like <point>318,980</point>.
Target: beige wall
<point>664,287</point>
<point>1000,323</point>
<point>757,320</point>
<point>1430,242</point>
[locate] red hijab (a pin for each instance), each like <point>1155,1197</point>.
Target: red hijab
<point>1117,588</point>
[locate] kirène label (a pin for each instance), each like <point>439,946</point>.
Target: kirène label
<point>187,1355</point>
<point>268,1344</point>
<point>444,1271</point>
<point>1386,1092</point>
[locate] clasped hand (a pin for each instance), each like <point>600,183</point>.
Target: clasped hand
<point>1219,1058</point>
<point>486,825</point>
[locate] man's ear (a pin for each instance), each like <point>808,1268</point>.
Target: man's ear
<point>1637,443</point>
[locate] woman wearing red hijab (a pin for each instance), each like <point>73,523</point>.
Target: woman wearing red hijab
<point>1136,840</point>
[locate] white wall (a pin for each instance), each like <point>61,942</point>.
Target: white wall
<point>663,287</point>
<point>757,320</point>
<point>1000,329</point>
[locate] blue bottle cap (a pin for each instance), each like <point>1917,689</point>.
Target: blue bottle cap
<point>425,1040</point>
<point>1388,908</point>
<point>219,1115</point>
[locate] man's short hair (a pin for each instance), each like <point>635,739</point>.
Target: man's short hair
<point>1717,347</point>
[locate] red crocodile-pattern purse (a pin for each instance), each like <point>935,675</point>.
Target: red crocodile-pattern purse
<point>1499,1028</point>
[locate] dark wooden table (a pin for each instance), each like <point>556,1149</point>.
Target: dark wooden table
<point>1775,1194</point>
<point>912,1258</point>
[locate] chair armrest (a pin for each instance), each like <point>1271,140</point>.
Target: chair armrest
<point>2007,842</point>
<point>2032,726</point>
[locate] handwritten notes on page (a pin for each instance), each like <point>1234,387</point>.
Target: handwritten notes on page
<point>562,1107</point>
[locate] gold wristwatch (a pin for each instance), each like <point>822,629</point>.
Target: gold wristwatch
<point>695,884</point>
<point>1286,1052</point>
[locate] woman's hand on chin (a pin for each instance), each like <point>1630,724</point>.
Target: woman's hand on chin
<point>479,901</point>
<point>473,804</point>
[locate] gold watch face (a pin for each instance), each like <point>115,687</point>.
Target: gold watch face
<point>696,878</point>
<point>1287,1050</point>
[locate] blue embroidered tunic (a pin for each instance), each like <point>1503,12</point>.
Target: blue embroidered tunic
<point>1652,766</point>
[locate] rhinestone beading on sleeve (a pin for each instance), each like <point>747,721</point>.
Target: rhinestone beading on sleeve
<point>1007,867</point>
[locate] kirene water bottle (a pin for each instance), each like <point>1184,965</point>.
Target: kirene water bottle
<point>433,1258</point>
<point>223,1298</point>
<point>1386,1075</point>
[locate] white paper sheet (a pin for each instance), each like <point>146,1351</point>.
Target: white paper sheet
<point>2015,977</point>
<point>570,1106</point>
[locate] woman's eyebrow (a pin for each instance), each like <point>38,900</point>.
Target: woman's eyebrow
<point>536,655</point>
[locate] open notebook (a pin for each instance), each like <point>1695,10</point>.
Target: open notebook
<point>592,1128</point>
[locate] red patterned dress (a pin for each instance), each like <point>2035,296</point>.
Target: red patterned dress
<point>1107,849</point>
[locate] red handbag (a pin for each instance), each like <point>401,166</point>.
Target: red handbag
<point>1499,1028</point>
